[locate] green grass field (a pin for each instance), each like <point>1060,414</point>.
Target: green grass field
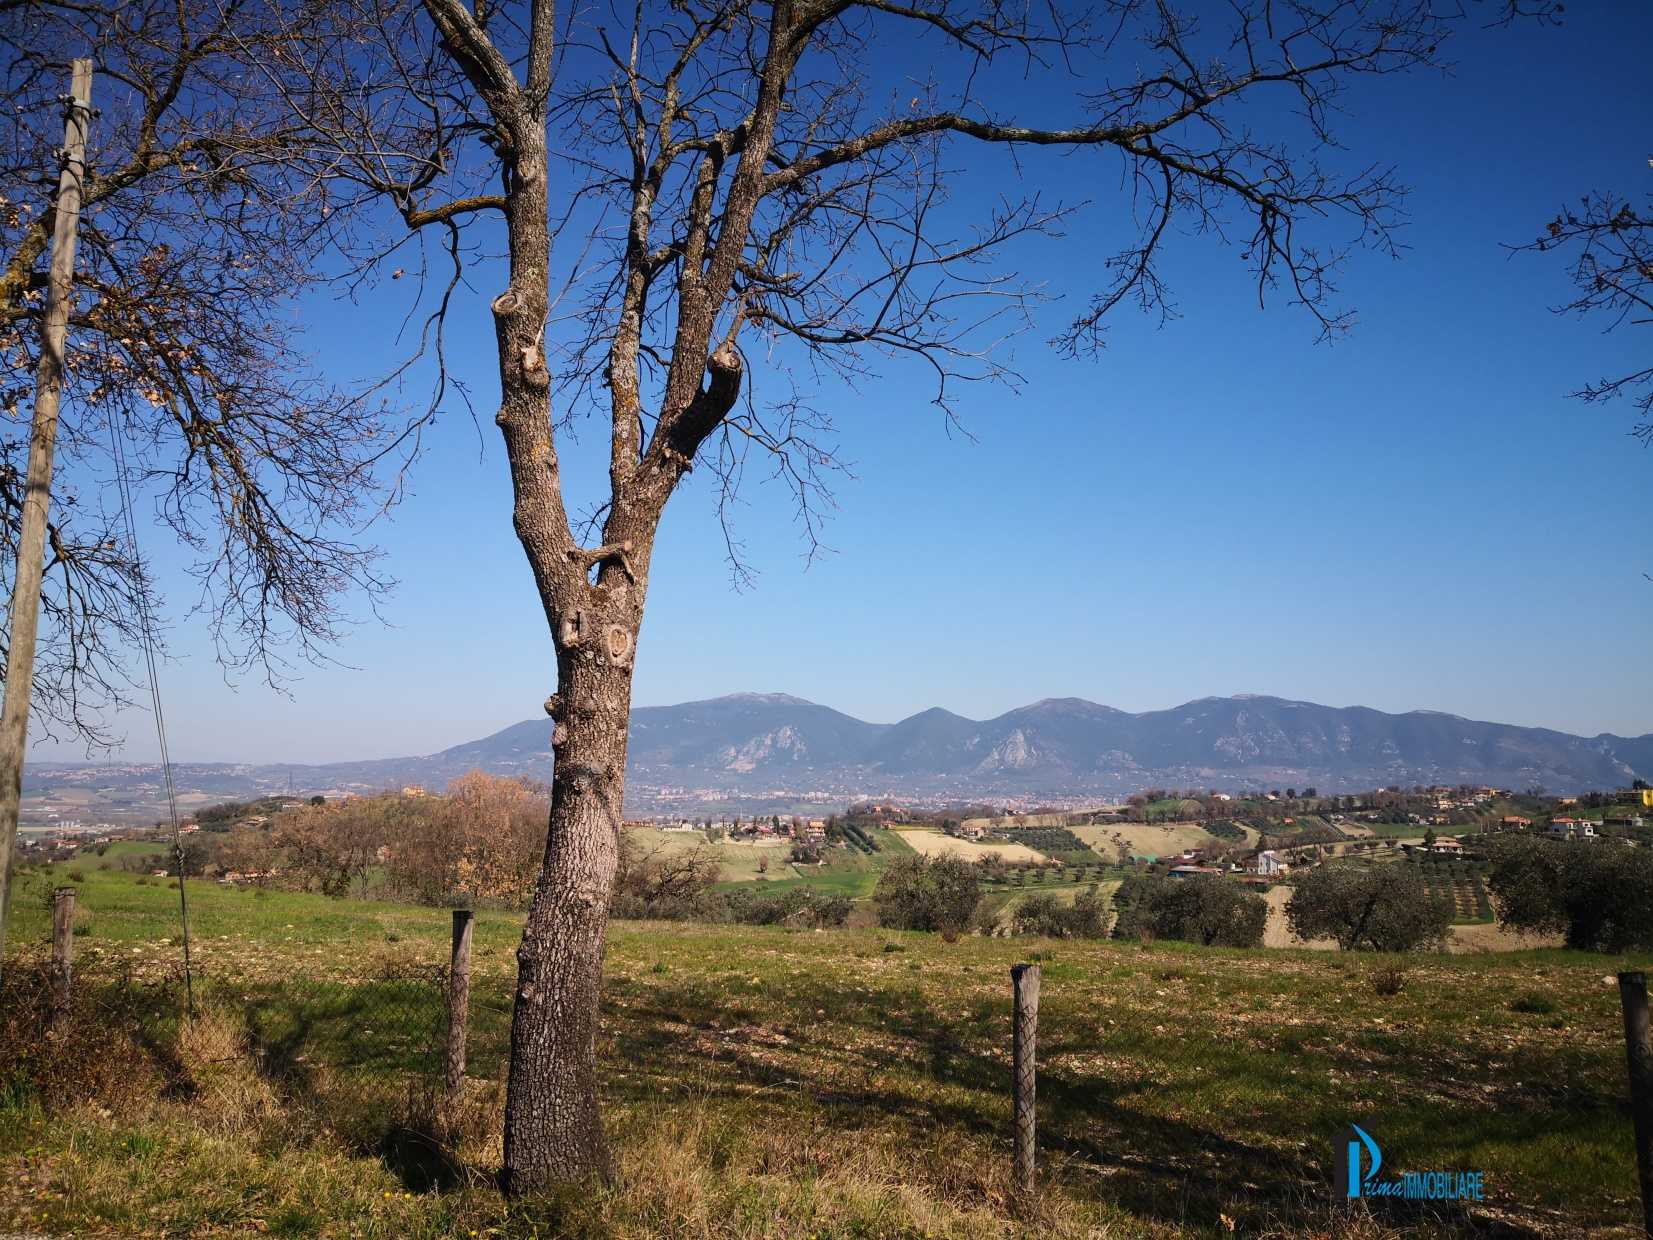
<point>766,1082</point>
<point>846,871</point>
<point>1398,831</point>
<point>120,853</point>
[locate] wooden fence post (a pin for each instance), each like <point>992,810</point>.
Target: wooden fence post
<point>1638,1048</point>
<point>1024,979</point>
<point>63,951</point>
<point>459,1007</point>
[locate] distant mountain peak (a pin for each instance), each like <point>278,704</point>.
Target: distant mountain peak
<point>1071,703</point>
<point>764,699</point>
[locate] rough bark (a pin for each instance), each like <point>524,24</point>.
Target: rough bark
<point>553,1133</point>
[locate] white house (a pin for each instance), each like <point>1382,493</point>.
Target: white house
<point>1571,829</point>
<point>1270,864</point>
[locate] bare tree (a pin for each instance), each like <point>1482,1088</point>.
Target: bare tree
<point>1608,238</point>
<point>182,379</point>
<point>735,201</point>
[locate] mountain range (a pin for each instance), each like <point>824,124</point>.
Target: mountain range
<point>754,743</point>
<point>772,749</point>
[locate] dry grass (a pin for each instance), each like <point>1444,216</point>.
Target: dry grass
<point>230,1095</point>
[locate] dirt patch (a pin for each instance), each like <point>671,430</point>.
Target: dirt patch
<point>1491,937</point>
<point>1278,933</point>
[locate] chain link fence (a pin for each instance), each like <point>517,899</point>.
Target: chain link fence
<point>352,1053</point>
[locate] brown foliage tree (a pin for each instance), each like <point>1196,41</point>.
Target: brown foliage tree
<point>480,844</point>
<point>331,848</point>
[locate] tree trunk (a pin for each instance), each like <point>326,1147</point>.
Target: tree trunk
<point>553,1133</point>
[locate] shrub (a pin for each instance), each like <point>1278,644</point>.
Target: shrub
<point>1205,910</point>
<point>1599,895</point>
<point>797,907</point>
<point>1389,979</point>
<point>104,1047</point>
<point>923,893</point>
<point>672,886</point>
<point>1045,915</point>
<point>1386,908</point>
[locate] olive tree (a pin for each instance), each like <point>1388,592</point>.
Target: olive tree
<point>1384,908</point>
<point>928,893</point>
<point>1044,915</point>
<point>1599,894</point>
<point>1205,909</point>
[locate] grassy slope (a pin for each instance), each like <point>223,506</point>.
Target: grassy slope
<point>120,852</point>
<point>1152,842</point>
<point>846,871</point>
<point>1002,902</point>
<point>763,1082</point>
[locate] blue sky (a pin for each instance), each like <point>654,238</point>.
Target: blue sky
<point>1416,516</point>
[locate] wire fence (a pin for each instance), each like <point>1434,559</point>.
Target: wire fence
<point>1182,1082</point>
<point>349,1051</point>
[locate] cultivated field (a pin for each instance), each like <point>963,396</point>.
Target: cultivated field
<point>935,844</point>
<point>1015,822</point>
<point>763,1082</point>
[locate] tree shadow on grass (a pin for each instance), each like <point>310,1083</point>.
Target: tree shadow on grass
<point>363,1058</point>
<point>1119,1137</point>
<point>420,1158</point>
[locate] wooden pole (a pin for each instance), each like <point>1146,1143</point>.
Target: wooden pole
<point>1638,1047</point>
<point>63,952</point>
<point>1024,980</point>
<point>31,544</point>
<point>459,1007</point>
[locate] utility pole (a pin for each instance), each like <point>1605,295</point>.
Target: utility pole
<point>31,544</point>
